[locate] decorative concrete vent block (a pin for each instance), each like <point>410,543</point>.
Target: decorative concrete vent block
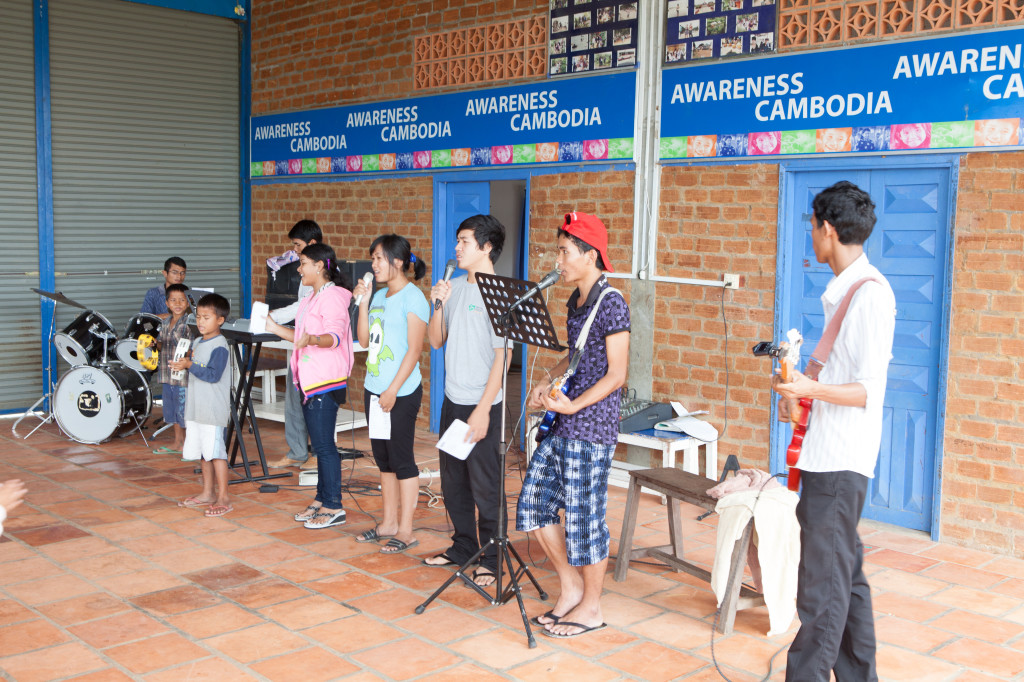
<point>482,54</point>
<point>822,23</point>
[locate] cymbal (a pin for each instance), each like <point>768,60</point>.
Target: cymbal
<point>59,298</point>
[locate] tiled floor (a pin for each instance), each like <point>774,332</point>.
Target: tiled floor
<point>104,577</point>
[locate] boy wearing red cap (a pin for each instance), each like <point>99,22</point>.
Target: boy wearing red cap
<point>570,468</point>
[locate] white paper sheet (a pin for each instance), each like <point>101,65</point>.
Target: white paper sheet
<point>258,317</point>
<point>453,441</point>
<point>681,411</point>
<point>380,421</point>
<point>691,426</point>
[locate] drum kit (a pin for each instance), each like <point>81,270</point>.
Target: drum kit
<point>106,392</point>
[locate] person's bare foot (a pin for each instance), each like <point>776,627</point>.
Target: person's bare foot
<point>484,576</point>
<point>568,600</point>
<point>197,501</point>
<point>441,559</point>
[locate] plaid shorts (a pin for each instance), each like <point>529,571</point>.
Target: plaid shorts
<point>571,475</point>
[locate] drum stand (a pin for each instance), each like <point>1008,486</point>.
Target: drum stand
<point>50,384</point>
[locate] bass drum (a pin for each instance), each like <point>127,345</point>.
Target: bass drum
<point>94,404</point>
<point>81,342</point>
<point>127,349</point>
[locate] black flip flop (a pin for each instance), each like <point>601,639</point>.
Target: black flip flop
<point>482,572</point>
<point>549,614</point>
<point>396,546</point>
<point>447,561</point>
<point>372,535</point>
<point>584,629</point>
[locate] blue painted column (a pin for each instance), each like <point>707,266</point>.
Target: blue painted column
<point>44,184</point>
<point>244,111</point>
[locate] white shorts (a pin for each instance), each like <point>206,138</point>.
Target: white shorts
<point>203,441</point>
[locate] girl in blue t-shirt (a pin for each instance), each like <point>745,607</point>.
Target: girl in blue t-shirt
<point>392,325</point>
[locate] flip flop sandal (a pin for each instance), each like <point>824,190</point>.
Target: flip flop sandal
<point>219,510</point>
<point>372,535</point>
<point>447,561</point>
<point>483,572</point>
<point>395,546</point>
<point>584,629</point>
<point>164,450</point>
<point>549,614</point>
<point>193,502</point>
<point>325,520</point>
<point>307,513</point>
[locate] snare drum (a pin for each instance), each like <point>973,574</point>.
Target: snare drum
<point>94,404</point>
<point>127,349</point>
<point>81,342</point>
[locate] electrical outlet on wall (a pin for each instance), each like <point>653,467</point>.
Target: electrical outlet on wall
<point>731,281</point>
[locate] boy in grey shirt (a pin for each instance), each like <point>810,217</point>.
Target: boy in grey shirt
<point>474,364</point>
<point>208,405</point>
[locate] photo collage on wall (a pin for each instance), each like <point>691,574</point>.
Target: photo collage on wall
<point>706,29</point>
<point>591,35</point>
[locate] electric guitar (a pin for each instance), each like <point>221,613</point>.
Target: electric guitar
<point>563,384</point>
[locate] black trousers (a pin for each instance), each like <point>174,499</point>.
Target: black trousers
<point>837,627</point>
<point>472,488</point>
<point>396,456</point>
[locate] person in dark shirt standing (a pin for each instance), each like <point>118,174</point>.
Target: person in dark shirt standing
<point>155,302</point>
<point>570,468</point>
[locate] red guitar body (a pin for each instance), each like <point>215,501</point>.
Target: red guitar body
<point>800,418</point>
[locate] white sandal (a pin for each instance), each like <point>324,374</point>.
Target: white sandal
<point>307,513</point>
<point>326,520</point>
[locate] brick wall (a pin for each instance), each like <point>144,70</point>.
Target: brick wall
<point>712,220</point>
<point>983,477</point>
<point>351,215</point>
<point>319,54</point>
<point>609,196</point>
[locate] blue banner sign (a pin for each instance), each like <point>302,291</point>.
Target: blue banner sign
<point>581,119</point>
<point>960,91</point>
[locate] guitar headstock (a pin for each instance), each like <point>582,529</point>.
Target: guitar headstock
<point>789,354</point>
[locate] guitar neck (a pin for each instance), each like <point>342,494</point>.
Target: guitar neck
<point>786,370</point>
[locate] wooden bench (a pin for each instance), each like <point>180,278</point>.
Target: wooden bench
<point>676,486</point>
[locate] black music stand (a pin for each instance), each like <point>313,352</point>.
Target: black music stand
<point>526,321</point>
<point>246,347</point>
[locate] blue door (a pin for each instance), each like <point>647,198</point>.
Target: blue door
<point>455,202</point>
<point>910,246</point>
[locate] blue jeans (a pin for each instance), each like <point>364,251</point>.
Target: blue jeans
<point>321,413</point>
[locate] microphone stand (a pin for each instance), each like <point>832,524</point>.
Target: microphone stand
<point>533,327</point>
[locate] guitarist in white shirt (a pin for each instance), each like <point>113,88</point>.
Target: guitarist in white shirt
<point>569,470</point>
<point>837,630</point>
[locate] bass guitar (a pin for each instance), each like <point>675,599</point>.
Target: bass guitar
<point>560,384</point>
<point>788,355</point>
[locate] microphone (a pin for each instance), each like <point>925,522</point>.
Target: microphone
<point>449,270</point>
<point>368,281</point>
<point>543,284</point>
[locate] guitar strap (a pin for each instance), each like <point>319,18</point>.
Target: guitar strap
<point>824,348</point>
<point>581,341</point>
